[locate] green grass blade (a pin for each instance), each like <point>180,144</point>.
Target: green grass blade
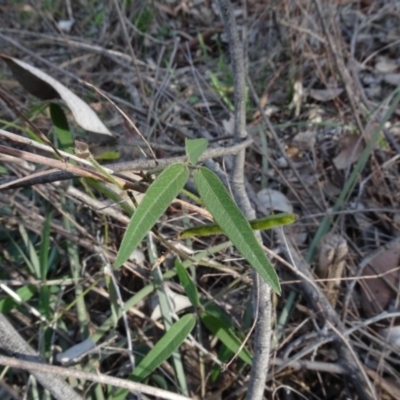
<point>195,148</point>
<point>165,346</point>
<point>225,334</point>
<point>234,224</point>
<point>158,197</point>
<point>161,351</point>
<point>44,293</point>
<point>269,222</point>
<point>149,289</point>
<point>352,180</point>
<point>45,247</point>
<point>167,311</point>
<point>21,253</point>
<point>188,285</point>
<point>112,293</point>
<point>72,253</point>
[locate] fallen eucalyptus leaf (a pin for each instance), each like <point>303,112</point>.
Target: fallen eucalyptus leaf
<point>325,94</point>
<point>43,86</point>
<point>275,201</point>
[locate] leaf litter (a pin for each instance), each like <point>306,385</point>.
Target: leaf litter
<point>181,102</point>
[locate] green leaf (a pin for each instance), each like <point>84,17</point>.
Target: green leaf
<point>149,289</point>
<point>30,256</point>
<point>158,197</point>
<point>188,285</point>
<point>161,351</point>
<point>113,298</point>
<point>222,90</point>
<point>109,193</point>
<point>225,334</point>
<point>44,294</point>
<point>45,247</point>
<point>9,302</point>
<point>269,222</point>
<point>61,127</point>
<point>108,155</point>
<point>195,148</point>
<point>224,355</point>
<point>234,224</point>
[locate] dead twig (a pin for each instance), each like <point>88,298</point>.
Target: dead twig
<point>69,171</point>
<point>44,369</point>
<point>261,291</point>
<point>349,360</point>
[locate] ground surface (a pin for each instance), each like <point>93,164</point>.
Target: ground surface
<point>327,82</point>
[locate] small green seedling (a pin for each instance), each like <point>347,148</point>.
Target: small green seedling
<point>227,215</point>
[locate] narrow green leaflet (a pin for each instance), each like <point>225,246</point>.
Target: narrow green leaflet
<point>161,351</point>
<point>44,293</point>
<point>195,148</point>
<point>113,298</point>
<point>234,224</point>
<point>158,197</point>
<point>188,285</point>
<point>269,222</point>
<point>45,247</point>
<point>225,334</point>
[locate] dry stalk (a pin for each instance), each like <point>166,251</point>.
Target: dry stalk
<point>68,171</point>
<point>316,298</point>
<point>261,290</point>
<point>52,372</point>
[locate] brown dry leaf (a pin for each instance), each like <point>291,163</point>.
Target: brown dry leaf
<point>274,200</point>
<point>325,94</point>
<point>385,65</point>
<point>392,79</point>
<point>376,293</point>
<point>391,335</point>
<point>65,25</point>
<point>292,152</point>
<point>177,301</point>
<point>331,261</point>
<point>353,146</point>
<point>263,102</point>
<point>43,86</point>
<point>305,140</point>
<point>229,125</point>
<point>297,97</point>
